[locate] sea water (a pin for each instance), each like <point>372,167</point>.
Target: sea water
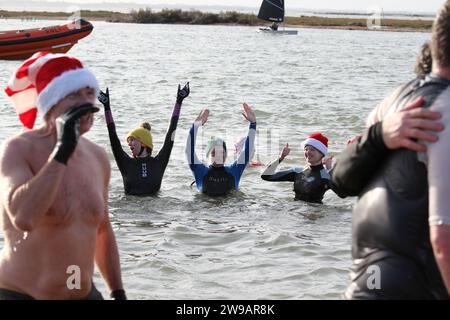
<point>258,243</point>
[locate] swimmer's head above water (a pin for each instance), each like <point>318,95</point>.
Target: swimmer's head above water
<point>315,148</point>
<point>140,140</point>
<point>216,150</point>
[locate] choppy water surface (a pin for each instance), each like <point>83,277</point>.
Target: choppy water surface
<point>258,243</point>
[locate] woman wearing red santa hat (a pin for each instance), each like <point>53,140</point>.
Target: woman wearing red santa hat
<point>312,181</point>
<point>54,187</point>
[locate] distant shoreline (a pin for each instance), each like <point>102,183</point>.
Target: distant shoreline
<point>227,18</point>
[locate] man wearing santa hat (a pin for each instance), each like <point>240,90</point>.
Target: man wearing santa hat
<point>54,187</point>
<point>312,181</point>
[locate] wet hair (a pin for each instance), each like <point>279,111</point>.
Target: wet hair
<point>424,60</point>
<point>440,40</point>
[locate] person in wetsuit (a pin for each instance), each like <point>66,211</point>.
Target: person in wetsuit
<point>142,173</point>
<point>217,179</point>
<point>401,223</point>
<point>310,182</point>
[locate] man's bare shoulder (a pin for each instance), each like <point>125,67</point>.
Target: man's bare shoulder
<point>15,154</point>
<point>16,144</point>
<point>98,151</point>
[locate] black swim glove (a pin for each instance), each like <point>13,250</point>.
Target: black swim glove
<point>183,93</point>
<point>68,131</point>
<point>118,295</point>
<point>103,97</point>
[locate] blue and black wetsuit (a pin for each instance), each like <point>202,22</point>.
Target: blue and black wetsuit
<point>142,176</point>
<point>310,184</point>
<point>390,228</point>
<point>218,181</point>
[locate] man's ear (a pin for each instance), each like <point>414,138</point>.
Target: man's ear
<point>49,114</point>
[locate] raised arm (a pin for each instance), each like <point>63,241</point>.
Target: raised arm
<point>237,167</point>
<point>164,153</point>
<point>27,196</point>
<point>249,144</point>
<point>190,144</point>
<point>270,173</point>
<point>120,155</point>
<point>195,164</point>
<point>22,191</point>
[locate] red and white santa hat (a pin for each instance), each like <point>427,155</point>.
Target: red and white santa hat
<point>45,79</point>
<point>318,141</point>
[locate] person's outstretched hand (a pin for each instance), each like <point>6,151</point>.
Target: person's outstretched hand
<point>103,97</point>
<point>183,93</point>
<point>399,129</point>
<point>248,113</point>
<point>202,117</point>
<point>284,153</point>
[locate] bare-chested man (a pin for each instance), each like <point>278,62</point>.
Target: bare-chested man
<point>54,188</point>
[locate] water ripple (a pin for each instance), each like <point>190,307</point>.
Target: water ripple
<point>258,243</point>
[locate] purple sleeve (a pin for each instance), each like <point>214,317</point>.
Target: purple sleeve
<point>108,117</point>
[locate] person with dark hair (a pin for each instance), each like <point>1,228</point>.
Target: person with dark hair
<point>142,173</point>
<point>424,61</point>
<point>219,179</point>
<point>401,222</point>
<point>312,181</point>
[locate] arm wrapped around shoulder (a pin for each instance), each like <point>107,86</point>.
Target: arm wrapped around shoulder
<point>357,163</point>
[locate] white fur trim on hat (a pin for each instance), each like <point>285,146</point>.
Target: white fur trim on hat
<point>63,85</point>
<point>316,144</point>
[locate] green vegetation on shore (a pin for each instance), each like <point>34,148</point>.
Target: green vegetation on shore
<point>193,17</point>
<point>230,17</point>
<point>352,22</point>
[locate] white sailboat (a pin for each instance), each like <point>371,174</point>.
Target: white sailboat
<point>273,11</point>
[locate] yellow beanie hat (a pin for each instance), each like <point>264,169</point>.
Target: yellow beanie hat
<point>143,135</point>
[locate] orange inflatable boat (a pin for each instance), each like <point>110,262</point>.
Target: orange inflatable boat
<point>22,44</point>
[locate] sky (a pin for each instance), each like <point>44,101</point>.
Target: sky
<point>424,6</point>
<point>357,5</point>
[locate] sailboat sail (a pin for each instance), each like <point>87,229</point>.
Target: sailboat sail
<point>272,10</point>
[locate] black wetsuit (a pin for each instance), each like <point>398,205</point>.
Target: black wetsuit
<point>390,228</point>
<point>218,182</point>
<point>310,184</point>
<point>143,176</point>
